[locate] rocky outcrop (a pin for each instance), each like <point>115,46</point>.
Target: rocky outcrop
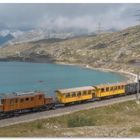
<point>118,51</point>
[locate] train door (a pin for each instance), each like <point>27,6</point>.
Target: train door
<point>93,94</point>
<point>6,105</point>
<point>11,104</point>
<point>1,105</point>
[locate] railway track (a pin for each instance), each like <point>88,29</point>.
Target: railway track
<point>64,110</point>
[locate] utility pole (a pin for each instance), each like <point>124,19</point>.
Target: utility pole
<point>137,16</point>
<point>99,28</point>
<point>138,88</point>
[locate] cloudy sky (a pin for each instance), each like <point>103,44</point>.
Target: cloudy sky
<point>69,15</point>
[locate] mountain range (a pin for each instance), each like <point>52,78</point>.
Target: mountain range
<point>12,35</point>
<point>111,50</point>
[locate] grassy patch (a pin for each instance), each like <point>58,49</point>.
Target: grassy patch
<point>39,125</point>
<point>79,121</point>
<point>135,129</point>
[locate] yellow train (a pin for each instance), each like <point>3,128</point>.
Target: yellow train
<point>79,94</point>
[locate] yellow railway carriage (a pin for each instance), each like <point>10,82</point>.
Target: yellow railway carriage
<point>72,95</point>
<point>110,89</point>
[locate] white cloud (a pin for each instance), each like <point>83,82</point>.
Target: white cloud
<point>66,22</point>
<point>68,15</point>
<point>111,18</point>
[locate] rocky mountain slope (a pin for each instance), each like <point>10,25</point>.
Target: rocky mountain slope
<point>5,39</point>
<point>20,35</point>
<point>118,51</point>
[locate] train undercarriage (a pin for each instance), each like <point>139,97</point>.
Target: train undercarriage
<point>16,113</point>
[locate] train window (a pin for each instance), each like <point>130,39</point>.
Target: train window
<point>122,87</point>
<point>107,89</point>
<point>73,94</point>
<point>40,96</point>
<point>115,88</point>
<point>119,87</point>
<point>16,100</point>
<point>79,93</point>
<point>11,102</point>
<point>2,101</point>
<point>102,90</point>
<point>85,92</point>
<point>67,95</point>
<point>27,99</point>
<point>32,98</point>
<point>111,88</point>
<point>21,100</point>
<point>89,92</point>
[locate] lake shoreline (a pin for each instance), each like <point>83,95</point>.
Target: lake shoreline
<point>131,77</point>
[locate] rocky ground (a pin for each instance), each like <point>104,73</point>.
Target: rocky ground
<point>117,51</point>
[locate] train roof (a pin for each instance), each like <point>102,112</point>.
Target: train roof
<point>75,89</point>
<point>110,85</point>
<point>20,94</point>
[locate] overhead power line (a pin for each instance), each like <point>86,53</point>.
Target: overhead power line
<point>137,16</point>
<point>99,28</point>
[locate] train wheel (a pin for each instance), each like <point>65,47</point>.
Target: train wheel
<point>66,104</point>
<point>84,101</point>
<point>2,116</point>
<point>17,113</point>
<point>52,106</point>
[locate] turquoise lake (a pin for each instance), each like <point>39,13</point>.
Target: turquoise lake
<point>21,76</point>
